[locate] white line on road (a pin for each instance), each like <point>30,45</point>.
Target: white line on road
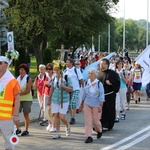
<point>134,142</point>
<point>126,139</point>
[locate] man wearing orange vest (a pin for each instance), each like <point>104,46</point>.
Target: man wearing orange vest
<point>9,102</point>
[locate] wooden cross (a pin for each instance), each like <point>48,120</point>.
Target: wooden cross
<point>62,50</point>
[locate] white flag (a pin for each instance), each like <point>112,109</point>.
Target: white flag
<point>144,60</point>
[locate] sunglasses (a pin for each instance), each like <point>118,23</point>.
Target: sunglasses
<point>49,69</point>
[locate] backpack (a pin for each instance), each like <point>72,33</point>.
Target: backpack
<point>75,70</point>
<point>148,90</point>
<point>32,89</point>
<point>66,79</point>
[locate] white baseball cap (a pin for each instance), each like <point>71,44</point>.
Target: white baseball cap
<point>5,59</point>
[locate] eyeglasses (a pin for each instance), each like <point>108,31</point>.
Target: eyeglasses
<point>49,69</point>
<point>77,64</point>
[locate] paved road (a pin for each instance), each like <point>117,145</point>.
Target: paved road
<point>137,119</point>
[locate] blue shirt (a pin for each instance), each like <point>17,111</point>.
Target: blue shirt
<point>93,99</point>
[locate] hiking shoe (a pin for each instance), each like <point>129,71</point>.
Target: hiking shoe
<point>18,131</point>
<point>44,123</point>
<point>24,133</point>
<point>89,140</point>
<point>56,136</point>
<point>52,129</point>
<point>72,121</point>
<point>68,131</point>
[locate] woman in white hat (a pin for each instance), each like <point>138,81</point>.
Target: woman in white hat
<point>57,109</point>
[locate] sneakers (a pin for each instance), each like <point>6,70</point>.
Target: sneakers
<point>56,136</point>
<point>44,123</point>
<point>18,131</point>
<point>68,131</point>
<point>128,107</point>
<point>123,116</point>
<point>24,133</point>
<point>117,119</point>
<point>52,129</point>
<point>72,121</point>
<point>49,127</point>
<point>89,140</point>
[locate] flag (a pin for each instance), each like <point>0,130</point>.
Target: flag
<point>95,65</point>
<point>144,60</point>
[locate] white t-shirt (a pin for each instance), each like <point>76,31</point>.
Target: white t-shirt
<point>74,78</point>
<point>137,75</point>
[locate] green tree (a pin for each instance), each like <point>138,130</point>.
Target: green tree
<point>71,23</point>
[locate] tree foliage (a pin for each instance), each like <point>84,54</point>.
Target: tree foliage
<point>67,22</point>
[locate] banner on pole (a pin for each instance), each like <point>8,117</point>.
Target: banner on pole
<point>10,41</point>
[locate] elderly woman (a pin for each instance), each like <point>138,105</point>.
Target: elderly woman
<point>93,98</point>
<point>25,97</point>
<point>55,100</point>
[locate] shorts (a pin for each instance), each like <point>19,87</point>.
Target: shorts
<point>26,106</point>
<point>56,108</point>
<point>74,99</point>
<point>137,86</point>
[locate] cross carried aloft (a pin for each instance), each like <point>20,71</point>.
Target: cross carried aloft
<point>62,51</point>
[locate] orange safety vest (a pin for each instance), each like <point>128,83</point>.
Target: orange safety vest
<point>7,100</point>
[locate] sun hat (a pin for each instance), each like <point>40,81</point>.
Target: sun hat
<point>5,59</point>
<point>48,114</point>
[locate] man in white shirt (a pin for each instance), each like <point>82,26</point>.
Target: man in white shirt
<point>77,80</point>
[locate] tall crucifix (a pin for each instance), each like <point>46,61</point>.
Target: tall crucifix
<point>62,52</point>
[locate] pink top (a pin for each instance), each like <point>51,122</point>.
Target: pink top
<point>48,82</point>
<point>40,84</point>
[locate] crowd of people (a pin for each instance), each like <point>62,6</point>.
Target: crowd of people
<point>104,96</point>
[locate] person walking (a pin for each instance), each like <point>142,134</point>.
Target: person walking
<point>59,108</point>
<point>111,83</point>
<point>77,79</point>
<point>39,85</point>
<point>121,95</point>
<point>137,73</point>
<point>50,75</point>
<point>92,99</point>
<point>25,97</point>
<point>9,102</point>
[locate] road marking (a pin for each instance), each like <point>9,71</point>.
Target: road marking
<point>134,142</point>
<point>126,139</point>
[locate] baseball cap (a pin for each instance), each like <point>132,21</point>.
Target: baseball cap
<point>5,59</point>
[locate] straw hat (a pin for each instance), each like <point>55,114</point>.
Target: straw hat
<point>48,113</point>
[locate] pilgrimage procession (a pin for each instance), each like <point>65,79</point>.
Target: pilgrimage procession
<point>80,96</point>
